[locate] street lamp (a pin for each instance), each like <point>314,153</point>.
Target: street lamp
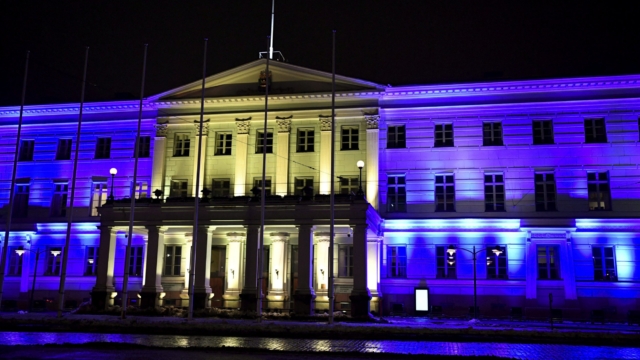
<point>113,172</point>
<point>496,250</point>
<point>360,165</point>
<point>20,252</point>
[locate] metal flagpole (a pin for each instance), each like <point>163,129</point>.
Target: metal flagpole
<point>196,205</point>
<point>65,252</point>
<point>125,281</point>
<point>273,8</point>
<point>7,229</point>
<point>332,202</point>
<point>262,191</point>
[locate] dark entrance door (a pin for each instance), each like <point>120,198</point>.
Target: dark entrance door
<point>217,278</point>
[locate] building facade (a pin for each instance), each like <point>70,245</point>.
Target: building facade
<point>529,189</point>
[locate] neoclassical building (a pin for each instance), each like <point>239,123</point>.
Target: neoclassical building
<point>529,189</point>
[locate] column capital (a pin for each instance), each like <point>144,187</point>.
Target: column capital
<point>236,236</point>
<point>205,128</point>
<point>372,121</point>
<point>325,123</point>
<point>322,236</point>
<point>243,125</point>
<point>279,236</point>
<point>284,124</point>
<point>162,130</point>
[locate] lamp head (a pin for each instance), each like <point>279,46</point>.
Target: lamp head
<point>360,164</point>
<point>113,171</point>
<point>55,253</point>
<point>19,252</point>
<point>497,250</point>
<point>451,250</point>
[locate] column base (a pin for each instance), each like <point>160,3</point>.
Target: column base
<point>303,303</point>
<point>360,304</point>
<point>151,299</point>
<point>201,300</point>
<point>248,302</point>
<point>277,299</point>
<point>101,299</point>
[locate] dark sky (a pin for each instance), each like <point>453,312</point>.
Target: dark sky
<point>390,42</point>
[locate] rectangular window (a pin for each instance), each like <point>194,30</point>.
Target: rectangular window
<point>548,262</point>
<point>599,195</point>
<point>445,192</point>
<point>595,131</point>
<point>91,261</point>
<point>397,261</point>
<point>98,196</point>
<point>144,147</point>
<point>443,135</point>
<point>63,152</point>
<point>172,260</point>
<point>221,188</point>
<point>260,141</point>
<point>54,260</point>
<point>26,150</point>
<point>301,183</point>
<point>21,201</point>
<point>103,148</point>
<point>179,188</point>
<point>542,132</point>
<point>223,143</point>
<point>348,184</point>
<point>135,261</point>
<point>15,261</point>
<point>604,263</point>
<point>181,145</point>
<point>396,137</point>
<point>257,185</point>
<point>305,140</point>
<point>396,193</point>
<point>496,262</point>
<point>545,189</point>
<point>350,137</point>
<point>59,200</point>
<point>345,260</point>
<point>492,134</point>
<point>494,192</point>
<point>445,263</point>
<point>142,190</point>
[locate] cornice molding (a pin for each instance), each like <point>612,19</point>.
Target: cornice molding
<point>74,109</point>
<point>261,99</point>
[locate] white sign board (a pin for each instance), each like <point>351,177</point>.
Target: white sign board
<point>422,299</point>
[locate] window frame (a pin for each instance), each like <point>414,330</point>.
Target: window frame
<point>99,191</point>
<point>492,134</point>
<point>445,194</point>
<point>301,182</point>
<point>144,147</point>
<point>136,261</point>
<point>260,138</point>
<point>59,199</point>
<point>181,191</point>
<point>396,193</point>
<point>552,262</point>
<point>22,192</point>
<point>181,145</point>
<point>601,195</point>
<point>91,258</point>
<point>257,183</point>
<point>349,184</point>
<point>25,153</point>
<point>103,148</point>
<point>172,260</point>
<point>221,191</point>
<point>53,264</point>
<point>545,132</point>
<point>63,150</point>
<point>547,199</point>
<point>396,137</point>
<point>592,134</point>
<point>305,141</point>
<point>443,135</point>
<point>345,260</point>
<point>494,199</point>
<point>224,143</point>
<point>15,263</point>
<point>602,271</point>
<point>497,265</point>
<point>397,262</point>
<point>446,264</point>
<point>349,137</point>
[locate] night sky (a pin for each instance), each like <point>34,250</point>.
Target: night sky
<point>389,42</point>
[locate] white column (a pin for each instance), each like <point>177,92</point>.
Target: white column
<point>325,155</point>
<point>184,295</point>
<point>234,273</point>
<point>373,147</point>
<point>278,270</point>
<point>103,292</point>
<point>159,157</point>
<point>242,141</point>
<point>282,156</point>
<point>373,265</point>
<point>322,261</point>
<point>203,156</point>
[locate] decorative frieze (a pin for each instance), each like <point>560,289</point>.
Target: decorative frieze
<point>162,130</point>
<point>243,125</point>
<point>284,124</point>
<point>372,121</point>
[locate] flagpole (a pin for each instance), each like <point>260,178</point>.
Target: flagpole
<point>132,208</point>
<point>263,192</point>
<point>5,245</point>
<point>196,205</point>
<point>65,252</point>
<point>332,202</point>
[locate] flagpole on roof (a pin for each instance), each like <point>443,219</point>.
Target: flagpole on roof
<point>7,229</point>
<point>332,202</point>
<point>196,204</point>
<point>125,282</point>
<point>65,252</point>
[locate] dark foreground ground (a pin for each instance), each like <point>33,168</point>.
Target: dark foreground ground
<point>100,351</point>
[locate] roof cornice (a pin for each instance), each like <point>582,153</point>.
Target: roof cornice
<point>260,99</point>
<point>74,108</point>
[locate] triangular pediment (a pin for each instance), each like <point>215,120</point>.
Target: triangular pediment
<point>285,79</point>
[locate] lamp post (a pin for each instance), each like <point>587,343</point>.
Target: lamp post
<point>20,252</point>
<point>452,250</point>
<point>360,165</point>
<point>113,172</point>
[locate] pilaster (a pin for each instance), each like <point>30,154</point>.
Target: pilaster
<point>159,157</point>
<point>325,155</point>
<point>373,148</point>
<point>282,158</point>
<point>242,141</point>
<point>203,156</point>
